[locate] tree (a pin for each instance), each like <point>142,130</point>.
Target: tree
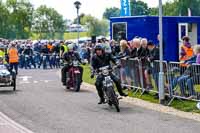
<point>80,17</point>
<point>192,4</point>
<point>20,18</point>
<point>96,27</point>
<point>169,9</point>
<point>179,7</point>
<point>111,12</point>
<point>4,20</point>
<point>47,21</point>
<point>139,8</point>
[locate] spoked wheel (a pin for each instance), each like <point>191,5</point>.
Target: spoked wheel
<point>113,98</point>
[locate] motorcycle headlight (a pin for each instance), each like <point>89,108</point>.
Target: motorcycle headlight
<point>105,72</point>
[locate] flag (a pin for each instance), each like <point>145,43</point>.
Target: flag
<point>125,8</point>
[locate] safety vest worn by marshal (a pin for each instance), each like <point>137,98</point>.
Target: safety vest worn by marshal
<point>65,48</point>
<point>13,55</point>
<point>189,53</point>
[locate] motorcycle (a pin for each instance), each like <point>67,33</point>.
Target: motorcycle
<point>27,61</point>
<point>44,61</point>
<point>74,77</point>
<point>108,86</point>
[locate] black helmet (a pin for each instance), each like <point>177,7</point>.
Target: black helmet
<point>98,47</point>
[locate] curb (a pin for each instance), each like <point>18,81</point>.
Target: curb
<point>153,106</point>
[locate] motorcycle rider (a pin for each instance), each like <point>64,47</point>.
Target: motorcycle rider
<point>68,58</point>
<point>29,52</point>
<point>101,59</point>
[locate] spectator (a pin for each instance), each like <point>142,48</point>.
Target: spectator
<point>186,80</point>
<point>138,50</point>
<point>186,50</point>
<point>144,43</point>
<point>124,49</point>
<point>151,69</point>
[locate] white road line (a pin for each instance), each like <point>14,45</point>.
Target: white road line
<point>35,82</point>
<point>14,125</point>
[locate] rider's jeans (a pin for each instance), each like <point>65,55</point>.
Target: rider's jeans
<point>99,85</point>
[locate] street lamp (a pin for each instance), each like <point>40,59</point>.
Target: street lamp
<point>161,74</point>
<point>77,6</point>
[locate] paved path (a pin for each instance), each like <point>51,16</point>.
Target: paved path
<point>42,105</point>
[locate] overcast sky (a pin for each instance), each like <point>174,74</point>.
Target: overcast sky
<point>93,7</point>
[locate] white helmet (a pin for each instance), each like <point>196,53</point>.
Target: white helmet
<point>70,47</point>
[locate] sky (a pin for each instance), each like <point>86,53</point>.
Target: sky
<point>93,7</point>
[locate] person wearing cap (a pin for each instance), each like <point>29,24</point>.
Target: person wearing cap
<point>13,58</point>
<point>186,50</point>
<point>153,55</point>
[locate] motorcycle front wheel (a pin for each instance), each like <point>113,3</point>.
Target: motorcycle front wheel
<point>113,98</point>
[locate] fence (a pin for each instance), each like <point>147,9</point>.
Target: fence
<point>181,81</point>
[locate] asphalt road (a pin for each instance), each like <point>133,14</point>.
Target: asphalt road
<point>44,106</point>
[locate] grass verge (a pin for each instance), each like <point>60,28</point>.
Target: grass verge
<point>73,35</point>
<point>183,105</point>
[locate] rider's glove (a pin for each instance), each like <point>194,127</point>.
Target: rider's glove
<point>92,76</point>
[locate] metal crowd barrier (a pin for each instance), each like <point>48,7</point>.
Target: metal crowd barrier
<point>181,81</point>
<point>130,74</point>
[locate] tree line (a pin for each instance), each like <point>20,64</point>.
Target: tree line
<point>171,8</point>
<point>19,20</point>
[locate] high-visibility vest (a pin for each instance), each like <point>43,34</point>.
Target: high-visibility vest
<point>13,55</point>
<point>189,53</point>
<point>50,47</point>
<point>65,50</point>
<point>2,54</point>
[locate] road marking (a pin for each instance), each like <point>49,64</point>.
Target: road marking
<point>25,78</point>
<point>24,82</point>
<point>35,82</point>
<point>14,125</point>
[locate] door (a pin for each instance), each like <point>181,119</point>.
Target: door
<point>182,31</point>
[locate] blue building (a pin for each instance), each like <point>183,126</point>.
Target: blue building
<point>174,28</point>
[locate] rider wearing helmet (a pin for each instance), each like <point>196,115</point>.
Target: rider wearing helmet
<point>101,59</point>
<point>68,57</point>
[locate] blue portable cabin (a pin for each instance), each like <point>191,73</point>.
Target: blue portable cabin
<point>174,28</point>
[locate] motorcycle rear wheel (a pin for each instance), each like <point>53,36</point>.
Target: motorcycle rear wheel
<point>77,82</point>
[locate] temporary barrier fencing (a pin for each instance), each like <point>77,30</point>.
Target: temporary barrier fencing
<point>180,81</point>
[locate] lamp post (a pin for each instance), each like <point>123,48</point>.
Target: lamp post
<point>161,74</point>
<point>77,6</point>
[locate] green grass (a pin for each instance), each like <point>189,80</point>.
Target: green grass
<point>183,105</point>
<point>73,35</point>
<point>66,36</point>
<point>86,75</point>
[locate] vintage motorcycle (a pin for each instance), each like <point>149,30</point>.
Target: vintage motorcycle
<point>108,86</point>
